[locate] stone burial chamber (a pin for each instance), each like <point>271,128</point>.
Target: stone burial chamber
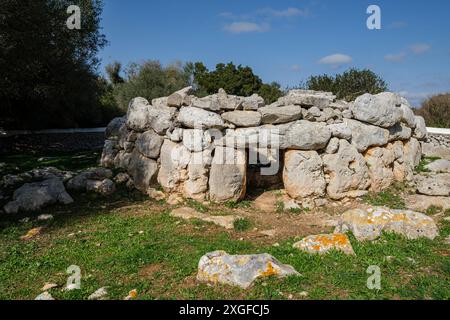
<point>309,143</point>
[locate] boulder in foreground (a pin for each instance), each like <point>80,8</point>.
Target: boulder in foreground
<point>241,270</point>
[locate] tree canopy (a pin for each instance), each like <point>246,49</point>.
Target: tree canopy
<point>436,111</point>
<point>49,76</point>
<point>236,80</point>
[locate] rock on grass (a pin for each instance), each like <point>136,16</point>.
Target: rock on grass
<point>241,270</point>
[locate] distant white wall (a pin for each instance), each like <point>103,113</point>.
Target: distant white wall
<point>439,131</point>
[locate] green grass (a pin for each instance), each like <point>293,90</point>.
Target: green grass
<point>200,207</point>
<point>66,161</point>
<point>242,225</point>
<point>432,210</point>
<point>386,198</point>
<point>124,243</point>
<point>244,204</point>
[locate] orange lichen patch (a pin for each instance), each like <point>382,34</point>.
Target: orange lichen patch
<point>32,233</point>
<point>270,271</point>
<point>333,240</point>
<point>324,243</point>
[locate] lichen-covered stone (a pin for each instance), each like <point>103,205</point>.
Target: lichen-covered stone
<point>368,224</point>
<point>242,270</point>
<point>324,243</point>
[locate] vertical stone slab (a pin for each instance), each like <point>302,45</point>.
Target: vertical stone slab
<point>227,179</point>
<point>303,174</point>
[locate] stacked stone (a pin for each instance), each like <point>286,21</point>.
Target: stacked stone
<point>332,148</point>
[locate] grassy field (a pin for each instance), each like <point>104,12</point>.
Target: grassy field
<point>127,242</point>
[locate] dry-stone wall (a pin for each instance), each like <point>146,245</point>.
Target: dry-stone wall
<point>315,145</point>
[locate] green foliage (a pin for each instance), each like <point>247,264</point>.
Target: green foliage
<point>436,111</point>
<point>151,80</point>
<point>235,80</point>
<point>113,70</point>
<point>49,74</point>
<point>280,208</point>
<point>348,85</point>
<point>386,198</point>
<point>432,210</point>
<point>241,225</point>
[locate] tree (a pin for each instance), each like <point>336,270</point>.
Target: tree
<point>234,80</point>
<point>151,80</point>
<point>348,85</point>
<point>436,111</point>
<point>49,72</point>
<point>113,70</point>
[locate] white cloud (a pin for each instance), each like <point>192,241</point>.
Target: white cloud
<point>415,98</point>
<point>289,12</point>
<point>398,57</point>
<point>245,27</point>
<point>296,68</point>
<point>336,60</point>
<point>420,48</point>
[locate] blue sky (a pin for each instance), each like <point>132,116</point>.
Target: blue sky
<point>289,40</point>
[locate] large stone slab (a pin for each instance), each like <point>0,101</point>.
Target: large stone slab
<point>278,115</point>
<point>143,171</point>
<point>179,98</point>
<point>175,158</point>
<point>439,166</point>
<point>368,224</point>
<point>242,270</point>
<point>346,172</point>
<point>303,174</point>
<point>196,118</point>
<point>308,98</point>
<point>227,179</point>
<point>149,144</point>
<point>420,131</point>
<point>419,202</point>
<point>365,136</point>
<point>381,110</point>
<point>137,114</point>
<point>305,135</point>
<point>113,128</point>
<point>243,118</point>
<point>434,185</point>
<point>380,163</point>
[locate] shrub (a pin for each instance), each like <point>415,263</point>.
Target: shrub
<point>348,85</point>
<point>149,80</point>
<point>236,80</point>
<point>436,111</point>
